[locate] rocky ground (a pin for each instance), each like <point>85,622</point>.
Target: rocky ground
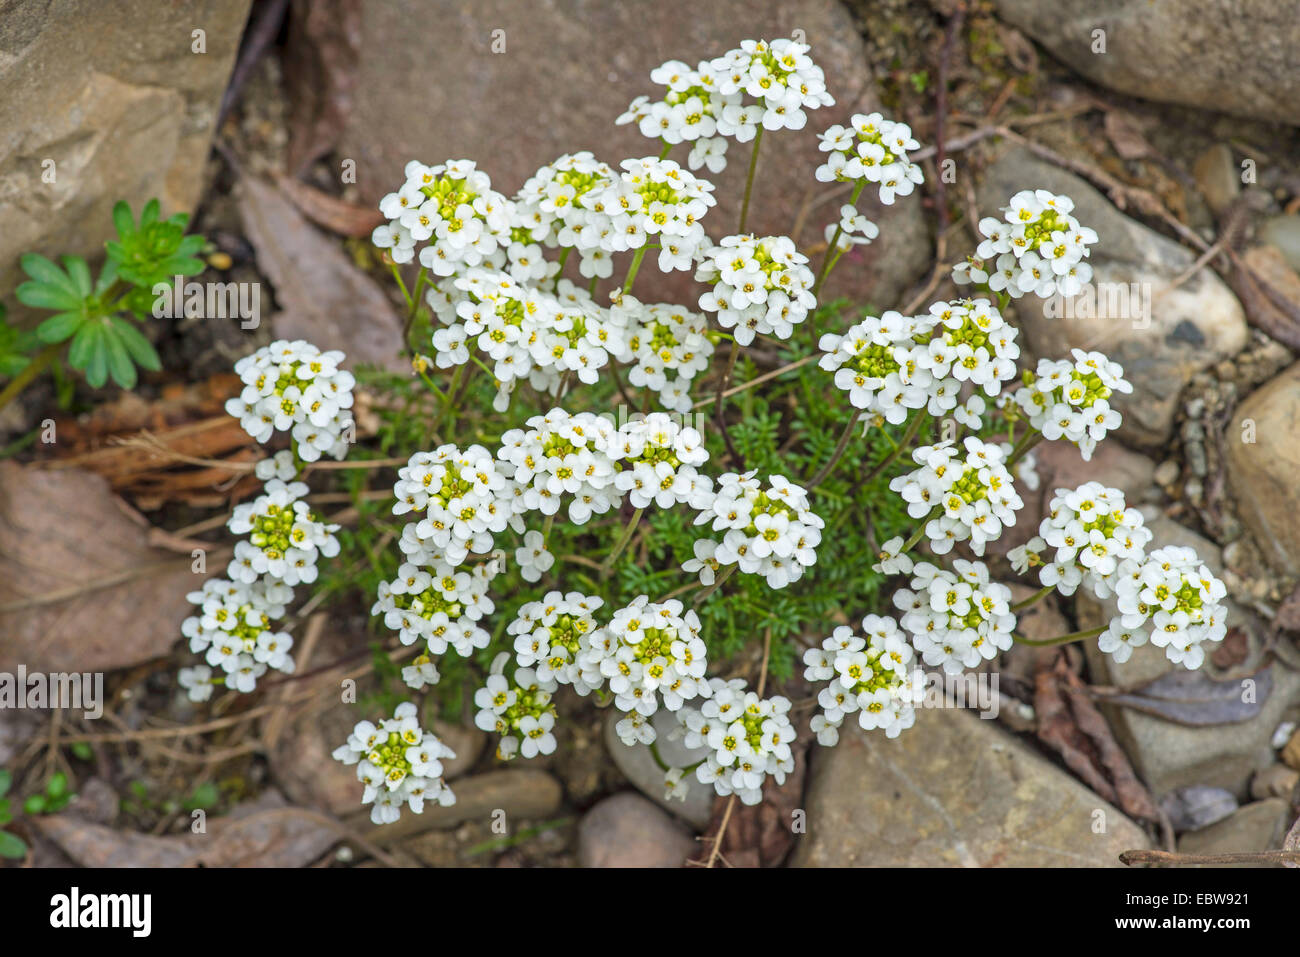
<point>1177,138</point>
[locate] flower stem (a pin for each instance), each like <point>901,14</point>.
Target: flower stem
<point>722,577</point>
<point>1062,640</point>
<point>920,532</point>
<point>1030,439</point>
<point>912,428</point>
<point>30,372</point>
<point>633,269</point>
<point>626,537</point>
<point>1033,599</point>
<point>749,181</point>
<point>831,259</point>
<point>843,444</point>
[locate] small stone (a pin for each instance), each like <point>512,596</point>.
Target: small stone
<point>1291,753</point>
<point>1195,807</point>
<point>641,769</point>
<point>1276,780</point>
<point>1283,734</point>
<point>626,830</point>
<point>515,794</point>
<point>1283,232</point>
<point>1255,827</point>
<point>1167,472</point>
<point>1218,176</point>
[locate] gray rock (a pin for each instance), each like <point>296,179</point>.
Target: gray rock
<point>1260,826</point>
<point>641,769</point>
<point>953,790</point>
<point>1169,756</point>
<point>1190,328</point>
<point>113,95</point>
<point>1195,807</point>
<point>1235,56</point>
<point>626,830</point>
<point>1263,458</point>
<point>570,67</point>
<point>1284,233</point>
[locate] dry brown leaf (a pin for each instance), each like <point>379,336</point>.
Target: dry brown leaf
<point>1070,724</point>
<point>325,298</point>
<point>281,837</point>
<point>330,212</point>
<point>81,590</point>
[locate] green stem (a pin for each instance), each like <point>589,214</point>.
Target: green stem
<point>839,451</point>
<point>717,583</point>
<point>912,428</point>
<point>1062,640</point>
<point>828,263</point>
<point>397,274</point>
<point>1030,439</point>
<point>622,543</point>
<point>663,153</point>
<point>30,372</point>
<point>1033,599</point>
<point>633,269</point>
<point>749,181</point>
<point>920,532</point>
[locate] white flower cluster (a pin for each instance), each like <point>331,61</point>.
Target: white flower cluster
<point>667,346</point>
<point>651,653</point>
<point>554,636</point>
<point>562,204</point>
<point>441,607</point>
<point>452,208</point>
<point>1036,247</point>
<point>894,363</point>
<point>770,531</point>
<point>659,458</point>
<point>761,286</point>
<point>285,536</point>
<point>400,764</point>
<point>780,76</point>
<point>1173,600</point>
<point>1070,400</point>
<point>871,676</point>
<point>871,149</point>
<point>234,633</point>
<point>562,454</point>
<point>956,618</point>
<point>464,498</point>
<point>748,738</point>
<point>1096,538</point>
<point>854,229</point>
<point>294,387</point>
<point>970,496</point>
<point>521,711</point>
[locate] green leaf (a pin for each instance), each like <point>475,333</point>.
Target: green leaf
<point>119,363</point>
<point>57,786</point>
<point>149,215</point>
<point>41,295</point>
<point>83,345</point>
<point>137,346</point>
<point>82,751</point>
<point>47,273</point>
<point>107,276</point>
<point>6,781</point>
<point>60,327</point>
<point>35,804</point>
<point>97,367</point>
<point>80,273</point>
<point>123,219</point>
<point>12,846</point>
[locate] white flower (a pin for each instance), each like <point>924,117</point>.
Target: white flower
<point>659,458</point>
<point>399,763</point>
<point>553,634</point>
<point>285,536</point>
<point>561,455</point>
<point>867,676</point>
<point>441,607</point>
<point>893,560</point>
<point>956,618</point>
<point>667,345</point>
<point>1070,400</point>
<point>196,681</point>
<point>779,76</point>
<point>771,532</point>
<point>521,711</point>
<point>871,149</point>
<point>1036,247</point>
<point>279,466</point>
<point>532,557</point>
<point>962,497</point>
<point>1173,598</point>
<point>749,739</point>
<point>294,387</point>
<point>650,653</point>
<point>761,286</point>
<point>464,498</point>
<point>675,785</point>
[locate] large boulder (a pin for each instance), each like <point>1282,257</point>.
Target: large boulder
<point>1162,337</point>
<point>953,790</point>
<point>1234,56</point>
<point>103,101</point>
<point>566,72</point>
